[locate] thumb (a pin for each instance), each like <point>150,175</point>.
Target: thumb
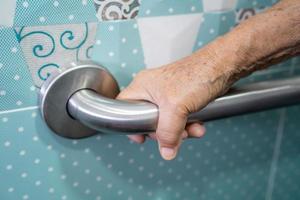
<point>169,131</point>
<point>134,92</point>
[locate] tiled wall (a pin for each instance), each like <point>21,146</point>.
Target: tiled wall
<point>254,156</point>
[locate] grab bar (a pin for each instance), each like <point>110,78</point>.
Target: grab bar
<point>79,102</point>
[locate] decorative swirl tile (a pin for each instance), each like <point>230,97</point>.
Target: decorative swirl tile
<point>48,48</point>
<point>245,13</point>
<point>116,9</point>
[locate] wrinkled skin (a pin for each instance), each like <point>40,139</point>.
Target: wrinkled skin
<point>190,84</point>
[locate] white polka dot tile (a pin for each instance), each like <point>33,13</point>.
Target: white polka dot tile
<point>254,3</point>
<point>236,156</point>
<point>169,7</point>
<point>118,47</point>
<point>287,176</point>
<point>36,12</point>
<point>15,81</point>
<point>253,156</point>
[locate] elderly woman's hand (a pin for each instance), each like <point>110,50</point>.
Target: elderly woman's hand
<point>178,89</point>
<point>191,83</point>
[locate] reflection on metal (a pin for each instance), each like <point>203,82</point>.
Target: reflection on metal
<point>79,102</point>
<point>57,90</point>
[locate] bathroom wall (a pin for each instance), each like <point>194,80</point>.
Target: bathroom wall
<point>255,156</point>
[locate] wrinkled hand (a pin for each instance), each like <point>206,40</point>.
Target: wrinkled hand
<point>169,93</point>
<point>191,83</point>
<point>177,89</point>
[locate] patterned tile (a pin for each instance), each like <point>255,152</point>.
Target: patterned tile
<point>49,48</point>
<point>117,9</point>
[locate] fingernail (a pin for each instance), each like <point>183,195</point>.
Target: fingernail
<point>200,131</point>
<point>168,153</point>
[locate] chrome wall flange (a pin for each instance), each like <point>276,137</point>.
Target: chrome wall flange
<point>59,87</point>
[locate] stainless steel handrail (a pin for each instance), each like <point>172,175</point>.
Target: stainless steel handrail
<point>79,102</point>
<point>100,113</point>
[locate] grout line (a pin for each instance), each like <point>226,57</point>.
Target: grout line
<point>276,153</point>
<point>19,110</point>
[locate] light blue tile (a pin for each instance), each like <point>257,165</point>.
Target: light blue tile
<point>37,12</point>
<point>16,86</point>
<point>214,25</point>
<point>150,8</point>
<point>232,161</point>
<point>118,48</point>
<point>233,156</point>
<point>255,3</point>
<point>287,177</point>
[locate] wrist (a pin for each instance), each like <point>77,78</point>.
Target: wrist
<point>258,43</point>
<point>265,39</point>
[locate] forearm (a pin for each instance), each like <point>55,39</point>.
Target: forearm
<point>259,42</point>
<point>267,38</point>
